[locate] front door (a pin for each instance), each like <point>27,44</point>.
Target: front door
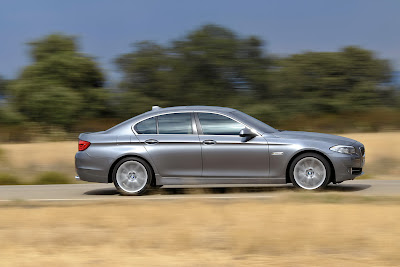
<point>226,154</point>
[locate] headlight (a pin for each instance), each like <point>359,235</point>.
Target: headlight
<point>344,149</point>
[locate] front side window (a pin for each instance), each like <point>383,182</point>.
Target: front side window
<point>214,124</point>
<point>177,123</point>
<point>146,127</point>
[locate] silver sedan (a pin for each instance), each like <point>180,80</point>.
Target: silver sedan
<point>212,145</point>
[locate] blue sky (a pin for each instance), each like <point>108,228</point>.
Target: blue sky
<point>107,28</point>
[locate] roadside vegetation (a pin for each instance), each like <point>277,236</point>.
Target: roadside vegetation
<point>336,91</point>
<point>49,177</point>
<point>52,177</point>
<point>8,179</point>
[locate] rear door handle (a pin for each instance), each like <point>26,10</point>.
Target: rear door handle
<point>209,142</point>
<point>151,141</point>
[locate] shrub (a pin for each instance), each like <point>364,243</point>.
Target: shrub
<point>51,177</point>
<point>8,179</point>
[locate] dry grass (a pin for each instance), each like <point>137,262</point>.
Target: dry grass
<point>27,160</point>
<point>382,153</point>
<point>207,233</point>
<point>379,145</point>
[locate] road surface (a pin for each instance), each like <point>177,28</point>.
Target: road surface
<point>93,191</point>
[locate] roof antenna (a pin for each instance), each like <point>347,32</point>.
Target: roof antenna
<point>155,107</point>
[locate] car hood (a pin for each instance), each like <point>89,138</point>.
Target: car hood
<point>329,138</point>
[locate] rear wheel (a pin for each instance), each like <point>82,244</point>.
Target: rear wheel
<point>132,176</point>
<point>310,171</point>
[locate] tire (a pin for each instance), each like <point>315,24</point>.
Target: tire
<point>132,176</point>
<point>310,171</point>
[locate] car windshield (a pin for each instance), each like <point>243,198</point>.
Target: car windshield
<point>253,122</point>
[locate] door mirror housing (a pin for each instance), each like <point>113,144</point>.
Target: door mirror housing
<point>246,132</point>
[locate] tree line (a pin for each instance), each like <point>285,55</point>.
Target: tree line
<point>211,65</point>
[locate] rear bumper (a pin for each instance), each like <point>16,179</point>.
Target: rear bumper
<point>91,169</point>
<point>90,175</point>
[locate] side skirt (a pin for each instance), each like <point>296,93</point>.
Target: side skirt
<point>216,180</point>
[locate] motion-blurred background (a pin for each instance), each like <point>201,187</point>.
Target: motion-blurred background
<point>79,66</point>
<point>68,67</point>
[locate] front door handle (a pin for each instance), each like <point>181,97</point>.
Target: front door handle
<point>209,142</point>
<point>151,141</point>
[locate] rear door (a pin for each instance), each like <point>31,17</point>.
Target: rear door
<point>172,143</point>
<point>226,154</point>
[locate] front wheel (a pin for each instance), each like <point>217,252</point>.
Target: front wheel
<point>132,176</point>
<point>310,171</point>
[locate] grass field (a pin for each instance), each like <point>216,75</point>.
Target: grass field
<point>27,160</point>
<point>382,154</point>
<point>201,233</point>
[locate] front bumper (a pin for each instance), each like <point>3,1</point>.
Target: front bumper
<point>348,167</point>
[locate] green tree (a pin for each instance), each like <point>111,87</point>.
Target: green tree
<point>215,64</point>
<point>210,65</point>
<point>348,80</point>
<point>61,84</point>
<point>3,87</point>
<point>8,114</point>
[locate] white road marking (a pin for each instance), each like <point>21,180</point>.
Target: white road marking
<point>138,198</point>
<point>100,192</point>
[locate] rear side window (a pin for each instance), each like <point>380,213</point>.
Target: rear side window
<point>214,124</point>
<point>177,123</point>
<point>146,127</point>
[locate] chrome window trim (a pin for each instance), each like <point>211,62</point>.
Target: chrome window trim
<point>229,117</point>
<point>191,124</point>
<point>195,130</point>
<point>194,126</point>
<point>156,121</point>
<point>232,118</point>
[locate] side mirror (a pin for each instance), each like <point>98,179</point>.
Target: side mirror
<point>246,132</point>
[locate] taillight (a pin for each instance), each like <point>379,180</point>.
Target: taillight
<point>82,145</point>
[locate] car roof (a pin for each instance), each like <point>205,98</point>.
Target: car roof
<point>189,108</point>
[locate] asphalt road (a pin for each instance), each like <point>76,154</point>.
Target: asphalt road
<point>93,191</point>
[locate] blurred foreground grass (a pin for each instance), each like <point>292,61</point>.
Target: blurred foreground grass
<point>284,232</point>
<point>47,177</point>
<point>28,161</point>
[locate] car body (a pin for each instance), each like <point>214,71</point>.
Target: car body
<point>212,145</point>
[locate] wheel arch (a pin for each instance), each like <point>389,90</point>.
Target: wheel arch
<point>110,171</point>
<point>333,175</point>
